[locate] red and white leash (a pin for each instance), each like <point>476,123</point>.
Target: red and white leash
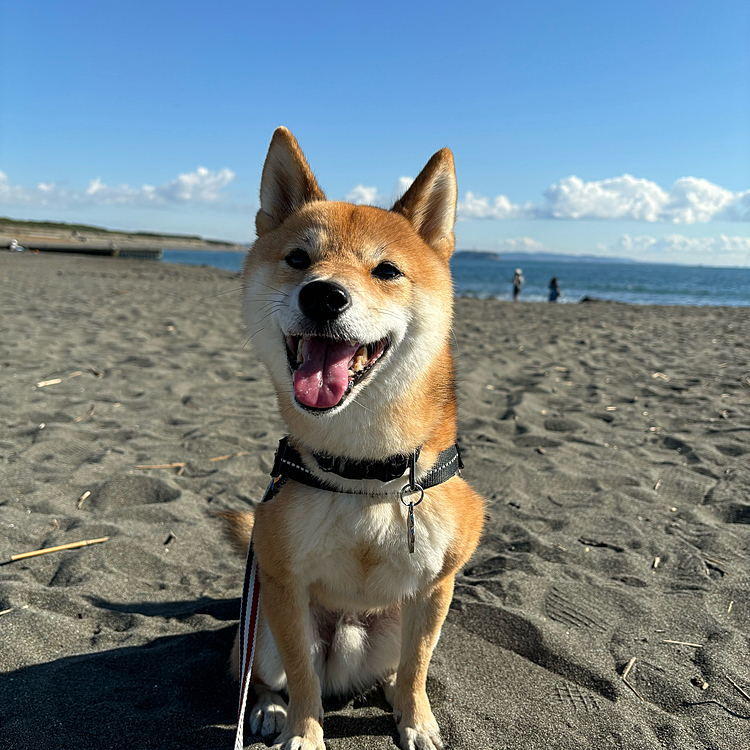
<point>248,630</point>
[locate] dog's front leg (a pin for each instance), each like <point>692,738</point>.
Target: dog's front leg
<point>422,618</point>
<point>287,610</point>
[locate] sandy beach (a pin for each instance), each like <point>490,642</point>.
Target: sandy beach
<point>612,443</point>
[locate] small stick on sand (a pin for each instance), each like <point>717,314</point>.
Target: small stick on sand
<point>729,608</point>
<point>86,415</point>
<point>657,560</point>
<point>625,673</point>
<point>713,560</point>
<point>737,687</point>
<point>82,498</point>
<point>162,466</point>
<point>230,455</point>
<point>44,383</point>
<point>627,669</point>
<point>683,643</point>
<point>657,485</point>
<point>634,690</point>
<point>47,550</point>
<point>5,611</point>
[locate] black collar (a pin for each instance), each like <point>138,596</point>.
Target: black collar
<point>288,465</point>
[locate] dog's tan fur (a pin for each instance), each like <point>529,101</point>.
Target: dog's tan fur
<point>342,600</point>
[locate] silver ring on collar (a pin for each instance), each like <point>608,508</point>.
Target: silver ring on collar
<point>409,489</point>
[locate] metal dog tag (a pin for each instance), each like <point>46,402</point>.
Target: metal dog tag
<point>410,527</point>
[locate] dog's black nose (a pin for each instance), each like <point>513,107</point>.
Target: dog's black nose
<point>323,300</point>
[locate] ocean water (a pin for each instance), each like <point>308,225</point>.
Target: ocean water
<point>636,283</point>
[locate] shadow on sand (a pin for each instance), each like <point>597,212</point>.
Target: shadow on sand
<point>174,692</point>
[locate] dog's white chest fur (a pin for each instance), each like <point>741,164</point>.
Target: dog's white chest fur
<point>353,549</point>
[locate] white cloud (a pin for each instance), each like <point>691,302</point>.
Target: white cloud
<point>403,184</point>
<point>617,198</point>
<point>520,245</point>
<point>721,250</point>
<point>201,186</point>
<point>694,200</point>
<point>12,194</point>
<point>362,195</point>
<point>478,207</point>
<point>690,200</point>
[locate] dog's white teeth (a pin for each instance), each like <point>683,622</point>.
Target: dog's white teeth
<point>300,358</point>
<point>360,360</point>
<point>351,372</point>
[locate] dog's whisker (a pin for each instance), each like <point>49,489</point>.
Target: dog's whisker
<point>360,404</point>
<point>455,338</point>
<point>257,330</point>
<point>220,294</point>
<point>392,314</point>
<point>268,286</point>
<point>251,336</point>
<point>272,304</point>
<point>262,315</point>
<point>264,318</point>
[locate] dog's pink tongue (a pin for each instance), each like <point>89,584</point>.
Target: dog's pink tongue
<point>322,378</point>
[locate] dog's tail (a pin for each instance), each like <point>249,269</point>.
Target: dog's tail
<point>238,527</point>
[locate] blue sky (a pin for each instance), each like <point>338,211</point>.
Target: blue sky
<point>578,127</point>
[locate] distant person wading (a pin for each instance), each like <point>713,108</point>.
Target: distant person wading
<point>554,290</point>
<point>517,283</point>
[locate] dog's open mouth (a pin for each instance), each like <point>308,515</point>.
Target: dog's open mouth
<point>325,370</point>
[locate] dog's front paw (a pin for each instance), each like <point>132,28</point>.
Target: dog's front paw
<point>420,738</point>
<point>300,743</point>
<point>301,733</point>
<point>268,715</point>
<point>419,731</point>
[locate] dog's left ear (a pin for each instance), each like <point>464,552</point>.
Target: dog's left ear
<point>430,203</point>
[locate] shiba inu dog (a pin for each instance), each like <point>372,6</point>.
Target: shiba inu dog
<point>350,308</point>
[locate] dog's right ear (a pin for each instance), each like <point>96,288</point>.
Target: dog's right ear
<point>287,182</point>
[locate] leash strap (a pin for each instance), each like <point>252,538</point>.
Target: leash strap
<point>248,630</point>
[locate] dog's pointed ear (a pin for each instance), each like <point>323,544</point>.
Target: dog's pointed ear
<point>430,203</point>
<point>287,182</point>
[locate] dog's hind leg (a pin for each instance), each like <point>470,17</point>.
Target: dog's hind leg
<point>388,684</point>
<point>268,715</point>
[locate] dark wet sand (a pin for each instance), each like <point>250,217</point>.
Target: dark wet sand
<point>612,443</point>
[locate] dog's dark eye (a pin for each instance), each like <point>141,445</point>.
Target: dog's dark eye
<point>298,259</point>
<point>386,271</point>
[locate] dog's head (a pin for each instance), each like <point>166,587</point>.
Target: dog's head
<point>348,304</point>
